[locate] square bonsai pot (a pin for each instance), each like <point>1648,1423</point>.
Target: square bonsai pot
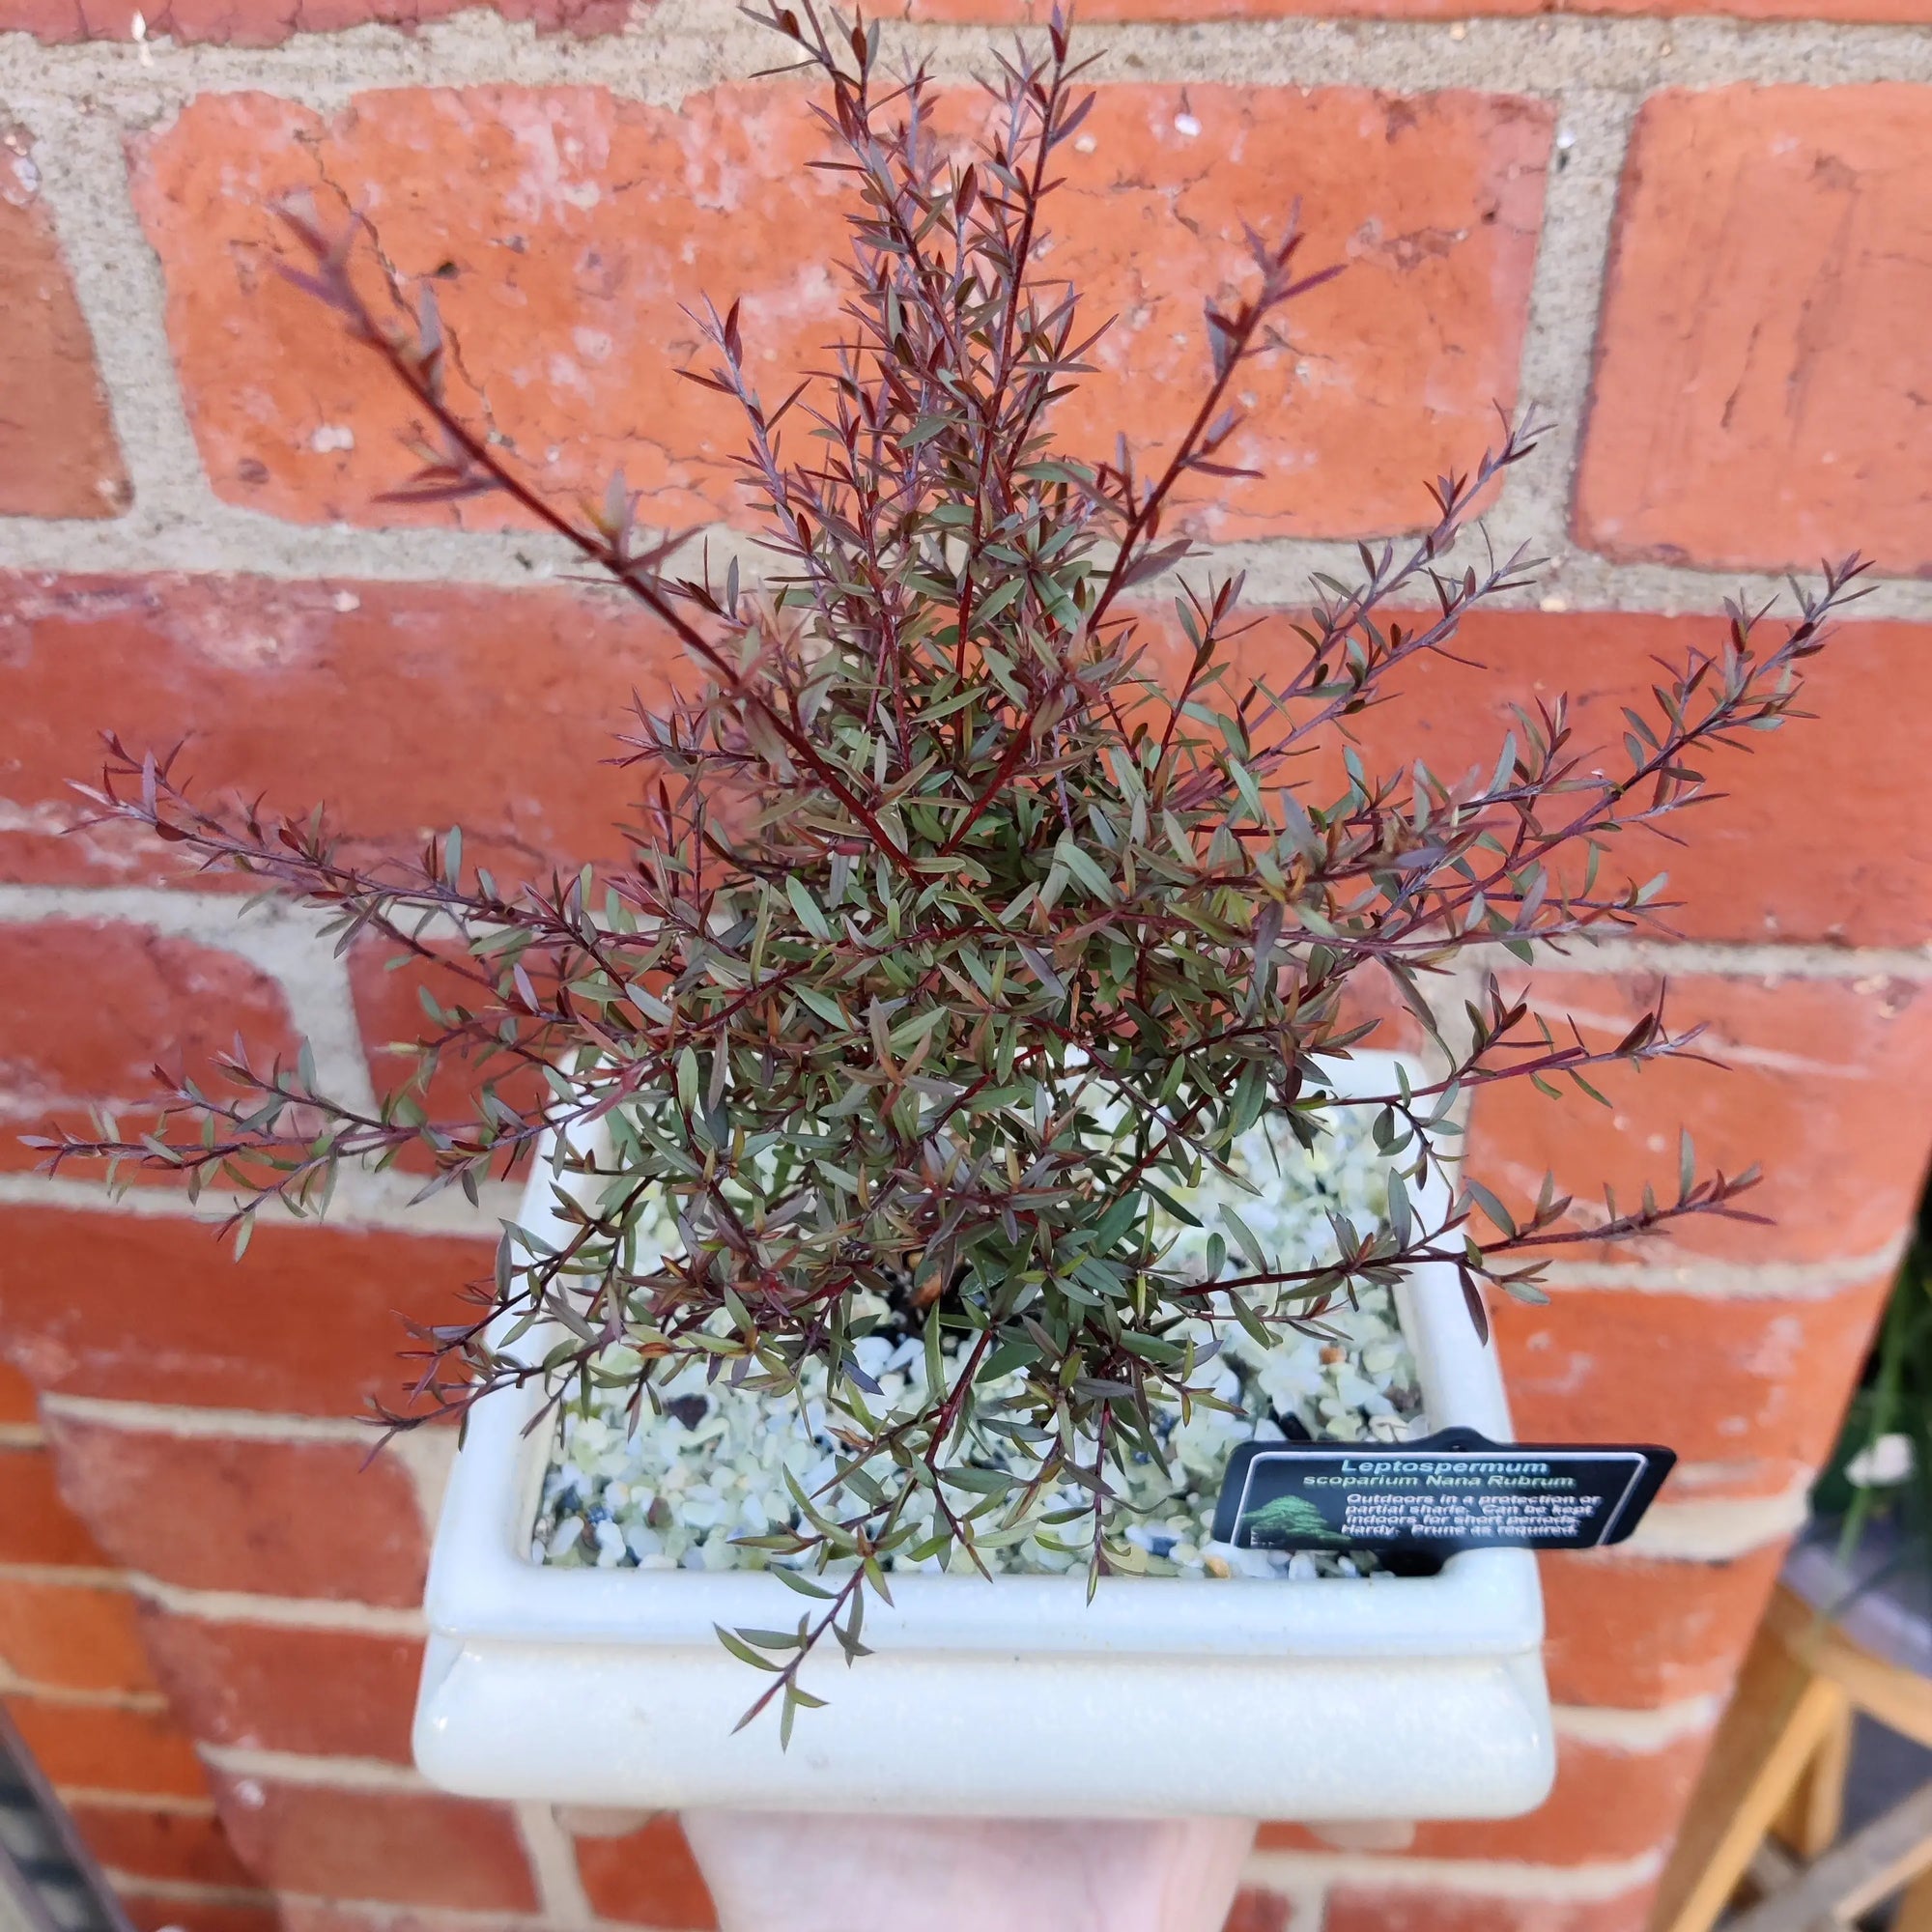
<point>1335,1698</point>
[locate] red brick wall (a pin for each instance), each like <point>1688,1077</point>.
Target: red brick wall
<point>78,1677</point>
<point>1703,245</point>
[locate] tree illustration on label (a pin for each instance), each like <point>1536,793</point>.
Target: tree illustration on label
<point>1288,1521</point>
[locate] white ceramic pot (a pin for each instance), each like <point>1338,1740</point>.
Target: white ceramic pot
<point>1335,1698</point>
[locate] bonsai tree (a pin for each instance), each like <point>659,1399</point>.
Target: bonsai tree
<point>957,943</point>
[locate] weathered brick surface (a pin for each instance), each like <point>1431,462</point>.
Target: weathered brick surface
<point>58,456</point>
<point>269,1687</point>
<point>574,220</point>
<point>156,1309</point>
<point>36,1526</point>
<point>176,1843</point>
<point>78,1689</point>
<point>1826,1086</point>
<point>1257,1910</point>
<point>406,708</point>
<point>1748,1393</point>
<point>280,688</point>
<point>1761,382</point>
<point>108,1746</point>
<point>18,1405</point>
<point>1358,1906</point>
<point>71,1636</point>
<point>268,23</point>
<point>311,1914</point>
<point>645,1876</point>
<point>1607,1805</point>
<point>158,1910</point>
<point>410,1847</point>
<point>1626,1631</point>
<point>1760,862</point>
<point>274,1518</point>
<point>94,1006</point>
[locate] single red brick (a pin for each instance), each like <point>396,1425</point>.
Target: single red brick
<point>267,1687</point>
<point>36,1526</point>
<point>156,1912</point>
<point>1607,1805</point>
<point>95,1005</point>
<point>1627,1632</point>
<point>404,708</point>
<point>1759,860</point>
<point>568,286</point>
<point>71,1636</point>
<point>1357,1906</point>
<point>57,457</point>
<point>647,1877</point>
<point>268,23</point>
<point>152,1308</point>
<point>1762,361</point>
<point>237,1513</point>
<point>1827,1083</point>
<point>1752,1390</point>
<point>566,296</point>
<point>98,1746</point>
<point>407,1847</point>
<point>172,1843</point>
<point>1431,201</point>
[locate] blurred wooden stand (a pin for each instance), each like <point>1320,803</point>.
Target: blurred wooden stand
<point>1767,1815</point>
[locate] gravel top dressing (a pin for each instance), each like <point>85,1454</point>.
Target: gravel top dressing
<point>674,1490</point>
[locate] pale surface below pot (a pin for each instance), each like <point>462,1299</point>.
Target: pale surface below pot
<point>805,1872</point>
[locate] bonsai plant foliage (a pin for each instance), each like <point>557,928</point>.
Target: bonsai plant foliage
<point>959,943</point>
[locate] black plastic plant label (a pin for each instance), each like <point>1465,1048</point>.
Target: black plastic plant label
<point>1449,1492</point>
